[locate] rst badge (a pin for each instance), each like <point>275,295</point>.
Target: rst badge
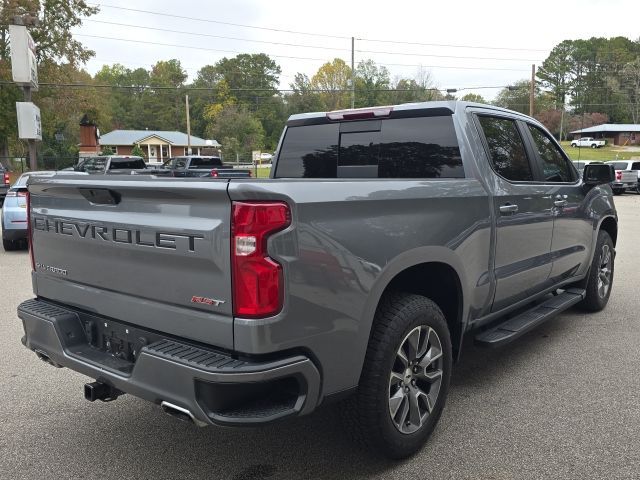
<point>207,301</point>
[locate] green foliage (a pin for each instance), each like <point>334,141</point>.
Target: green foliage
<point>238,130</point>
<point>473,97</point>
<point>595,75</point>
<point>106,150</point>
<point>136,151</point>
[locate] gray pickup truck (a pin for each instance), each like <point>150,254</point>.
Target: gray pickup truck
<point>383,238</point>
<point>202,166</point>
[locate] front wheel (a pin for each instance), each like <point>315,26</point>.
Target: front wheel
<point>618,191</point>
<point>573,145</point>
<point>593,145</point>
<point>600,276</point>
<point>405,377</point>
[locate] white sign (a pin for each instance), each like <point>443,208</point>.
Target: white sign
<point>29,126</point>
<point>24,66</point>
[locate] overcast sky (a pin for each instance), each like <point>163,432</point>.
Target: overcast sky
<point>519,34</point>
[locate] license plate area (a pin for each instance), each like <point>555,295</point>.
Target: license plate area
<point>118,340</point>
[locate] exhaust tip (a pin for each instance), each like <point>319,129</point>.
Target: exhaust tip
<point>180,413</point>
<point>45,358</point>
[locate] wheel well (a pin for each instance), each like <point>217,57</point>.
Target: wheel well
<point>440,283</point>
<point>610,226</point>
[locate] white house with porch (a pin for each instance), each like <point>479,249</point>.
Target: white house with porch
<point>157,144</point>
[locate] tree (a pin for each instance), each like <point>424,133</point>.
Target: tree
<point>136,151</point>
<point>249,76</point>
<point>516,97</point>
<point>236,122</point>
<point>164,103</point>
<point>332,81</point>
<point>473,97</point>
<point>371,84</point>
<point>55,43</point>
<point>106,150</point>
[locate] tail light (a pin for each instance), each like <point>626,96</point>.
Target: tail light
<point>30,233</point>
<point>6,179</point>
<point>618,175</point>
<point>214,173</point>
<point>17,193</point>
<point>258,283</point>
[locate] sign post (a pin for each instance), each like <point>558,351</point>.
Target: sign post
<point>24,71</point>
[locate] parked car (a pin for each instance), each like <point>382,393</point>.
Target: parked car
<point>627,165</point>
<point>14,212</point>
<point>4,183</point>
<point>383,239</point>
<point>625,179</point>
<point>580,164</point>
<point>202,166</point>
<point>588,142</point>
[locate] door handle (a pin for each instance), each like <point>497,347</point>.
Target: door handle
<point>508,208</point>
<point>560,201</point>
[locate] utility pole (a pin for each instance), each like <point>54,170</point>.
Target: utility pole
<point>353,73</point>
<point>561,120</point>
<point>188,125</point>
<point>533,90</point>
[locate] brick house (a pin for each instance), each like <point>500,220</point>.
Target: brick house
<point>614,133</point>
<point>157,144</point>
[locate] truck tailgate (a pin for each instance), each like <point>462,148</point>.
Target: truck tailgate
<point>152,252</point>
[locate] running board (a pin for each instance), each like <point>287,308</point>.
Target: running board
<point>516,326</point>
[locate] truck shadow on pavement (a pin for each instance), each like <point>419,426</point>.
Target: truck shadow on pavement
<point>316,446</point>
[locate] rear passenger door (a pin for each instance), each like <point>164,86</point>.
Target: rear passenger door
<point>572,228</point>
<point>522,208</point>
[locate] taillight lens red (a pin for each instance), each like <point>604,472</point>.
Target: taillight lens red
<point>30,233</point>
<point>214,173</point>
<point>6,179</point>
<point>258,283</point>
<point>618,175</point>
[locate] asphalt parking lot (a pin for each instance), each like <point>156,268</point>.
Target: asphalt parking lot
<point>562,402</point>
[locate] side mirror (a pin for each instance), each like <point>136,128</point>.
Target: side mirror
<point>598,174</point>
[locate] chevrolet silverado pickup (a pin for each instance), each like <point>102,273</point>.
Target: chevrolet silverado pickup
<point>384,237</point>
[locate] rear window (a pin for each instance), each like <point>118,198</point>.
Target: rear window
<point>619,165</point>
<point>421,147</point>
<point>197,162</point>
<point>127,163</point>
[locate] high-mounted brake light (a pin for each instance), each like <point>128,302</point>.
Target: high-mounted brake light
<point>360,113</point>
<point>30,233</point>
<point>258,284</point>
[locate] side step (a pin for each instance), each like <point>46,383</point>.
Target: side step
<point>516,326</point>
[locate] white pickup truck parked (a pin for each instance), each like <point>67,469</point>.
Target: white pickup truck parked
<point>627,176</point>
<point>588,142</point>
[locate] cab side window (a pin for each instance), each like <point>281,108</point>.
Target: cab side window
<point>506,149</point>
<point>555,167</point>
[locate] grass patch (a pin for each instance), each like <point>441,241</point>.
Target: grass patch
<point>602,154</point>
<point>262,172</point>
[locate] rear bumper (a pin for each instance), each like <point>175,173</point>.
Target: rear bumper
<point>215,387</point>
<point>624,184</point>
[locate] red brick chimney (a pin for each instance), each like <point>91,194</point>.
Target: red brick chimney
<point>89,140</point>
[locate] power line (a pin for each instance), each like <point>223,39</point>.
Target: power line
<point>313,34</point>
<point>451,45</point>
<point>449,56</point>
<point>191,47</point>
<point>197,34</point>
<point>182,17</point>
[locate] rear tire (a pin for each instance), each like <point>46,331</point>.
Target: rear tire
<point>9,245</point>
<point>600,276</point>
<point>573,145</point>
<point>405,378</point>
<point>618,191</point>
<point>593,145</point>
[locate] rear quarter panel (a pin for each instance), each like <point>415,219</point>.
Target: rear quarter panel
<point>347,240</point>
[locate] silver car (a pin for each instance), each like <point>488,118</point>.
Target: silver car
<point>14,211</point>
